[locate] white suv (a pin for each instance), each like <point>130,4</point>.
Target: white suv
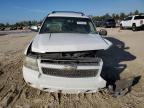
<point>63,55</point>
<point>134,22</point>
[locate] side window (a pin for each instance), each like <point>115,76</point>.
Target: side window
<point>139,17</point>
<point>128,18</point>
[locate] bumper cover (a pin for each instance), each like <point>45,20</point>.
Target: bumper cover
<point>62,84</point>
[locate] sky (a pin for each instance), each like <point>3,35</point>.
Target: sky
<point>12,11</point>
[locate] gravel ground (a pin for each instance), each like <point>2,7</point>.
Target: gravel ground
<point>124,59</point>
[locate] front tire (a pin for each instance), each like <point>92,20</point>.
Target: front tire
<point>134,28</point>
<point>121,27</point>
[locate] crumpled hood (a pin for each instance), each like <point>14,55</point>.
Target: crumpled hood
<point>65,42</point>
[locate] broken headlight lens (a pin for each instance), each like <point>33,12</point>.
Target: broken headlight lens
<point>31,63</point>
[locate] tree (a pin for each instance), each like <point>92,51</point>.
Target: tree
<point>2,25</point>
<point>95,18</point>
<point>122,15</point>
<point>136,12</point>
<point>7,25</point>
<point>106,16</point>
<point>114,15</point>
<point>131,13</point>
<point>117,17</point>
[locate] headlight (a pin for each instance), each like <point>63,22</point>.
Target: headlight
<point>31,63</point>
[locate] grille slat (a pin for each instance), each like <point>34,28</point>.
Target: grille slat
<point>94,61</point>
<point>70,73</point>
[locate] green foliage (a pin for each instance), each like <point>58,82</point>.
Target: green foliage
<point>136,12</point>
<point>95,18</point>
<point>2,25</point>
<point>19,24</point>
<point>106,16</point>
<point>122,15</point>
<point>119,16</point>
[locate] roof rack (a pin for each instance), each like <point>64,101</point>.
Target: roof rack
<point>68,12</point>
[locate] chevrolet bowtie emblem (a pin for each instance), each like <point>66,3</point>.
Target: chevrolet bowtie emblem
<point>70,67</point>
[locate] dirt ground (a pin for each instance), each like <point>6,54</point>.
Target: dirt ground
<point>124,59</point>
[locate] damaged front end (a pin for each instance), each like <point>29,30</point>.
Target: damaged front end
<point>68,72</point>
<point>70,64</point>
<point>63,55</point>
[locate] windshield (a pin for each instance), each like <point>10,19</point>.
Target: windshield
<point>67,25</point>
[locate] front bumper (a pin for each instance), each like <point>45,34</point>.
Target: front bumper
<point>64,84</point>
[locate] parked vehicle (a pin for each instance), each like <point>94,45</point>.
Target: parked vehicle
<point>20,28</point>
<point>2,28</point>
<point>134,22</point>
<point>108,23</point>
<point>98,23</point>
<point>13,28</point>
<point>63,55</point>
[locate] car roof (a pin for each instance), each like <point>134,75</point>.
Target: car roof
<point>67,14</point>
<point>135,15</point>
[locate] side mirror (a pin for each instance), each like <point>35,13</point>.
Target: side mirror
<point>34,28</point>
<point>103,32</point>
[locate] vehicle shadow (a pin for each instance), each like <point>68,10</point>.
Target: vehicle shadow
<point>2,34</point>
<point>112,59</point>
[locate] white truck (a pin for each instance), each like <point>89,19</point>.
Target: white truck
<point>134,22</point>
<point>63,55</point>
